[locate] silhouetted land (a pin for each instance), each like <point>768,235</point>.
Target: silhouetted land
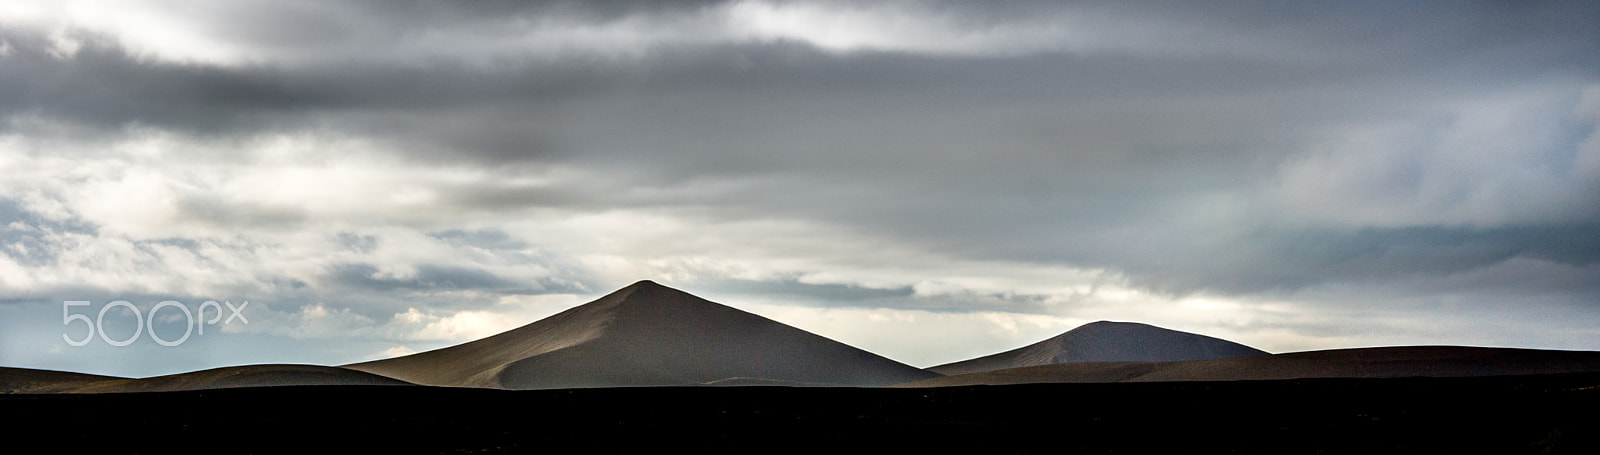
<point>1498,415</point>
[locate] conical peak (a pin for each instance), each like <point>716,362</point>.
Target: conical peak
<point>641,284</point>
<point>647,290</point>
<point>639,290</point>
<point>649,299</point>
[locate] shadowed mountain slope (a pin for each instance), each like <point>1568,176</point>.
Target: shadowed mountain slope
<point>1106,342</point>
<point>1386,362</point>
<point>647,335</point>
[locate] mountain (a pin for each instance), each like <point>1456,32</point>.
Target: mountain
<point>647,334</point>
<point>1106,341</point>
<point>24,380</point>
<point>1385,362</point>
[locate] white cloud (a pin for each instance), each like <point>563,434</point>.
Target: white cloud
<point>414,324</point>
<point>237,228</point>
<point>888,28</point>
<point>313,321</point>
<point>161,29</point>
<point>190,32</point>
<point>395,351</point>
<point>325,321</point>
<point>921,28</point>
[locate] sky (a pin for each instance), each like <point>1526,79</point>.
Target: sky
<point>930,181</point>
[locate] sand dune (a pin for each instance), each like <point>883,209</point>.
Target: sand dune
<point>28,380</point>
<point>1106,341</point>
<point>23,380</point>
<point>1387,362</point>
<point>647,335</point>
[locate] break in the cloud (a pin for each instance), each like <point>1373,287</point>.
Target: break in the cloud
<point>929,180</point>
<point>404,33</point>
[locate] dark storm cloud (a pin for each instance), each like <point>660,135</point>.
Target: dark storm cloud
<point>103,85</point>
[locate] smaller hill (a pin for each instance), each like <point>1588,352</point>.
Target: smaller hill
<point>23,380</point>
<point>1107,341</point>
<point>1360,363</point>
<point>28,380</point>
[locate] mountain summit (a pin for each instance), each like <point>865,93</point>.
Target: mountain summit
<point>647,334</point>
<point>1106,341</point>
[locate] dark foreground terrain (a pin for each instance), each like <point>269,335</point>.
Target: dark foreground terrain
<point>1492,415</point>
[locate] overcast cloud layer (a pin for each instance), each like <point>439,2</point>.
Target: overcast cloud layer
<point>930,181</point>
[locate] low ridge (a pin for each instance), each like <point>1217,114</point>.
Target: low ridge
<point>24,380</point>
<point>1356,363</point>
<point>647,334</point>
<point>1106,341</point>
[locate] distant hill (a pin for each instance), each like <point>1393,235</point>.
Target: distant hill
<point>28,380</point>
<point>1106,341</point>
<point>24,380</point>
<point>1366,363</point>
<point>647,334</point>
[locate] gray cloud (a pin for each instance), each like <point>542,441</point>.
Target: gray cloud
<point>818,292</point>
<point>1291,259</point>
<point>363,276</point>
<point>988,157</point>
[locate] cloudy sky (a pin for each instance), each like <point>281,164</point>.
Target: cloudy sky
<point>929,181</point>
